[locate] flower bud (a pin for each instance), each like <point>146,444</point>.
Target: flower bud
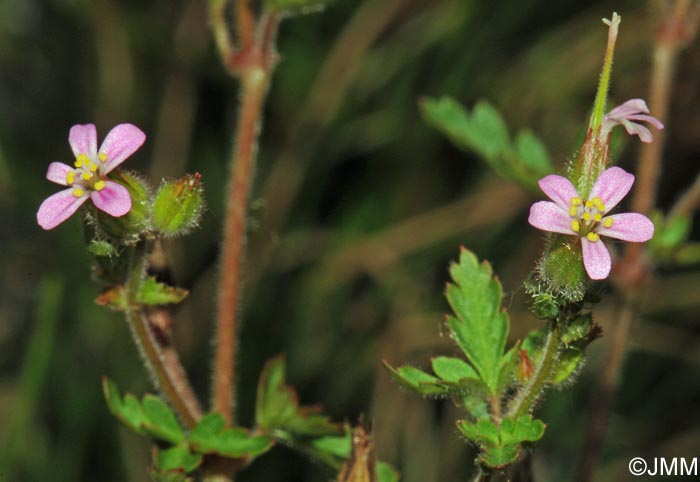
<point>126,229</point>
<point>178,205</point>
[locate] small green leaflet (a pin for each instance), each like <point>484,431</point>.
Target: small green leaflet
<point>501,444</point>
<point>151,417</point>
<point>153,292</point>
<point>480,326</point>
<point>483,131</point>
<point>277,406</point>
<point>211,437</point>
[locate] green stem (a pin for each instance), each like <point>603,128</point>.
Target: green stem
<point>165,369</point>
<point>530,393</point>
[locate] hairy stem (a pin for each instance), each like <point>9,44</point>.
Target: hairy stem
<point>219,27</point>
<point>526,399</point>
<point>159,356</point>
<point>255,78</point>
<point>254,88</point>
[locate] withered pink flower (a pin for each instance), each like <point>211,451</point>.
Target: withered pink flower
<point>87,180</point>
<point>629,115</point>
<point>587,219</point>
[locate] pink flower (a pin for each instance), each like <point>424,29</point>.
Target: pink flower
<point>570,214</point>
<point>624,114</point>
<point>88,178</point>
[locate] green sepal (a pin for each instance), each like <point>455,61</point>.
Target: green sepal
<point>177,458</point>
<point>152,417</point>
<point>561,270</point>
<point>177,206</point>
<point>152,292</point>
<point>210,436</point>
<point>484,131</point>
<point>501,444</point>
<point>126,229</point>
<point>277,406</point>
<point>481,326</point>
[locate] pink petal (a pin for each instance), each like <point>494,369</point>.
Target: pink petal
<point>57,173</point>
<point>559,189</point>
<point>596,259</point>
<point>633,128</point>
<point>83,140</point>
<point>611,186</point>
<point>632,106</point>
<point>633,227</point>
<point>547,216</point>
<point>57,208</point>
<point>114,199</point>
<point>647,118</point>
<point>121,142</point>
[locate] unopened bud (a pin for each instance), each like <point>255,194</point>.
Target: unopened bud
<point>178,205</point>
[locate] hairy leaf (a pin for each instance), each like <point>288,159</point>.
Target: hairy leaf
<point>153,292</point>
<point>480,326</point>
<point>177,458</point>
<point>211,437</point>
<point>501,444</point>
<point>151,417</point>
<point>277,406</point>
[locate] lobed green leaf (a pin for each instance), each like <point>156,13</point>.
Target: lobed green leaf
<point>278,408</point>
<point>480,326</point>
<point>211,437</point>
<point>153,292</point>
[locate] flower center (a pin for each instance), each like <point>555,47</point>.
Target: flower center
<point>587,217</point>
<point>87,175</point>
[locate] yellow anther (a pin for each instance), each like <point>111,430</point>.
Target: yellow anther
<point>593,237</point>
<point>99,185</point>
<point>587,216</point>
<point>573,210</point>
<point>576,201</point>
<point>78,162</point>
<point>598,217</point>
<point>575,225</point>
<point>70,177</point>
<point>86,176</point>
<point>93,167</point>
<point>102,156</point>
<point>608,222</point>
<point>589,204</point>
<point>77,192</point>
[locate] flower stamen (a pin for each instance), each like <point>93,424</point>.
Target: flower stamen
<point>593,237</point>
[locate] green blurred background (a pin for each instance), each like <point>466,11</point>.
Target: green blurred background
<point>358,209</point>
